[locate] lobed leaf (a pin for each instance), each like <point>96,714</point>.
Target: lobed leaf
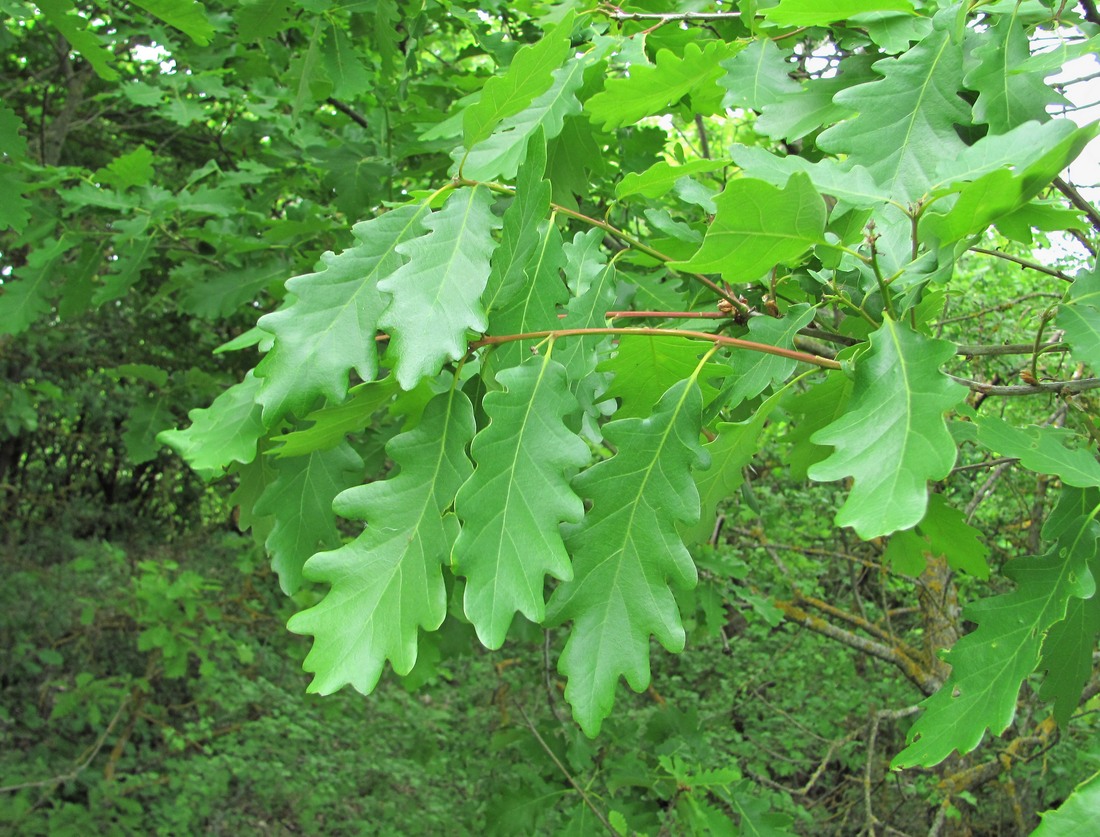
<point>436,293</point>
<point>329,327</point>
<point>758,226</point>
<point>989,664</point>
<point>893,438</point>
<point>627,552</point>
<point>512,506</point>
<point>388,582</point>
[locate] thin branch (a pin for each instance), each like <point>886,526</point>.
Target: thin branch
<point>569,776</point>
<point>1075,198</point>
<point>1056,387</point>
<point>824,363</point>
<point>1004,306</point>
<point>349,112</point>
<point>1009,349</point>
<point>80,768</point>
<point>615,13</point>
<point>1041,268</point>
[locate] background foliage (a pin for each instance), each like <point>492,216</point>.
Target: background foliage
<point>511,339</point>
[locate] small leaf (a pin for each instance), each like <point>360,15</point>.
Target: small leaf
<point>436,294</point>
<point>512,506</point>
<point>224,432</point>
<point>651,88</point>
<point>893,438</point>
<point>758,226</point>
<point>349,77</point>
<point>1079,315</point>
<point>757,76</point>
<point>132,169</point>
<point>331,425</point>
<point>659,178</point>
<point>61,15</point>
<point>1040,449</point>
<point>627,553</point>
<point>388,582</point>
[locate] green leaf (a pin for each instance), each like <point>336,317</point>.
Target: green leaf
<point>25,298</point>
<point>388,582</point>
<point>1079,316</point>
<point>521,232</point>
<point>224,432</point>
<point>132,169</point>
<point>1076,817</point>
<point>1040,449</point>
<point>757,76</point>
<point>1007,97</point>
<point>757,227</point>
<point>329,327</point>
<point>535,307</point>
<point>646,365</point>
<point>893,438</point>
<point>331,425</point>
<point>188,16</point>
<point>753,372</point>
<point>349,77</point>
<point>435,295</point>
<point>651,88</point>
<point>734,446</point>
<point>527,76</point>
<point>147,418</point>
<point>905,123</point>
<point>822,12</point>
<point>499,155</point>
<point>988,665</point>
<point>659,178</point>
<point>627,552</point>
<point>1067,654</point>
<point>300,501</point>
<point>512,506</point>
<point>947,534</point>
<point>62,15</point>
<point>260,19</point>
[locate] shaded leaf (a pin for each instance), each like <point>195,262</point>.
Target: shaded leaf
<point>299,499</point>
<point>757,76</point>
<point>331,425</point>
<point>989,664</point>
<point>646,365</point>
<point>1040,449</point>
<point>388,582</point>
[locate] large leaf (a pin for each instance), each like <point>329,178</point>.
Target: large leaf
<point>527,76</point>
<point>189,16</point>
<point>436,294</point>
<point>388,582</point>
<point>1076,817</point>
<point>519,494</point>
<point>757,227</point>
<point>893,438</point>
<point>627,553</point>
<point>757,76</point>
<point>645,366</point>
<point>1079,315</point>
<point>905,123</point>
<point>329,328</point>
<point>300,501</point>
<point>989,664</point>
<point>1007,97</point>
